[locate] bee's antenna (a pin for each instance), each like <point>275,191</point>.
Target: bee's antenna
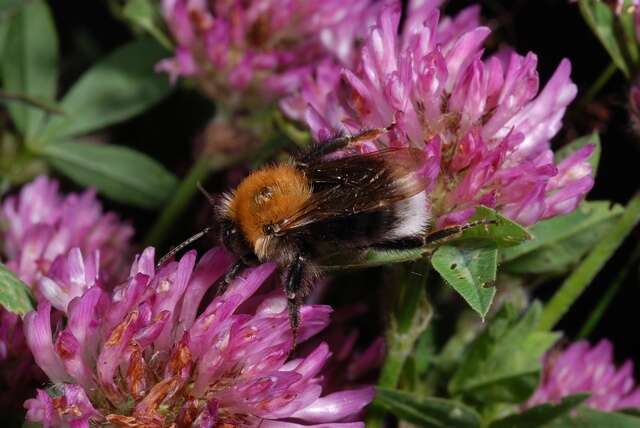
<point>206,194</point>
<point>183,244</point>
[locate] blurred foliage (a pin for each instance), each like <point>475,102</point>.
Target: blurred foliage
<point>120,86</point>
<point>14,294</point>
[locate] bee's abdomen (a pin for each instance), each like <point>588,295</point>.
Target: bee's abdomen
<point>354,230</point>
<point>407,218</point>
<point>411,217</point>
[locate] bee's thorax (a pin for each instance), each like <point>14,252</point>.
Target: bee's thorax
<point>267,197</point>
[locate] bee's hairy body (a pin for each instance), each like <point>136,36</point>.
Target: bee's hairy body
<point>263,200</point>
<point>293,213</point>
<point>271,195</point>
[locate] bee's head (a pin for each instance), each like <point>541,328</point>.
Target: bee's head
<point>251,214</point>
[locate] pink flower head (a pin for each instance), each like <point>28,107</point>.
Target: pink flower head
<point>582,368</point>
<point>255,51</point>
<point>40,224</point>
<point>19,376</point>
<point>160,351</point>
<point>68,277</point>
<point>44,235</point>
<point>483,124</point>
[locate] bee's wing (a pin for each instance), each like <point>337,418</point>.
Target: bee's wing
<point>357,184</point>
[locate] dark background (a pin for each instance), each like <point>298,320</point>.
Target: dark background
<point>553,29</point>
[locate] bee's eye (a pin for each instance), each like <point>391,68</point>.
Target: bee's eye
<point>229,232</point>
<point>233,240</point>
<point>228,235</point>
<point>268,229</point>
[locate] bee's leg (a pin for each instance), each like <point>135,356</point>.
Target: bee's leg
<point>452,232</point>
<point>232,273</point>
<point>401,244</point>
<point>250,260</point>
<point>322,149</point>
<point>438,236</point>
<point>293,291</point>
<point>243,262</point>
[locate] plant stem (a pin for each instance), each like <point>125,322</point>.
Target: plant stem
<point>231,129</point>
<point>597,86</point>
<point>200,170</point>
<point>611,292</point>
<point>46,106</point>
<point>582,276</point>
<point>408,321</point>
<point>228,131</point>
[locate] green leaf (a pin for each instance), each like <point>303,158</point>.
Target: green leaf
<point>579,143</point>
<point>46,106</point>
<point>470,268</point>
<point>560,257</point>
<point>8,5</point>
<point>118,87</point>
<point>427,412</point>
<point>14,294</point>
<point>586,417</point>
<point>299,136</point>
<point>118,172</point>
<point>627,30</point>
<point>602,20</point>
<point>583,275</point>
<point>4,30</point>
<point>31,61</point>
<point>505,233</point>
<point>538,416</point>
<point>146,15</point>
<point>562,241</point>
<point>503,363</point>
<point>559,228</point>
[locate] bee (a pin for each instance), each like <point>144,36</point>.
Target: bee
<point>296,212</point>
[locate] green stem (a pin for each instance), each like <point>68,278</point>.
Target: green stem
<point>46,106</point>
<point>582,276</point>
<point>611,292</point>
<point>597,86</point>
<point>409,320</point>
<point>178,204</point>
<point>257,127</point>
<point>301,137</point>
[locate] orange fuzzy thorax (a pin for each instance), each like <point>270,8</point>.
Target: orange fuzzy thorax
<point>266,197</point>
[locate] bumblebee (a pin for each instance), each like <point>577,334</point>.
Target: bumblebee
<point>296,212</point>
